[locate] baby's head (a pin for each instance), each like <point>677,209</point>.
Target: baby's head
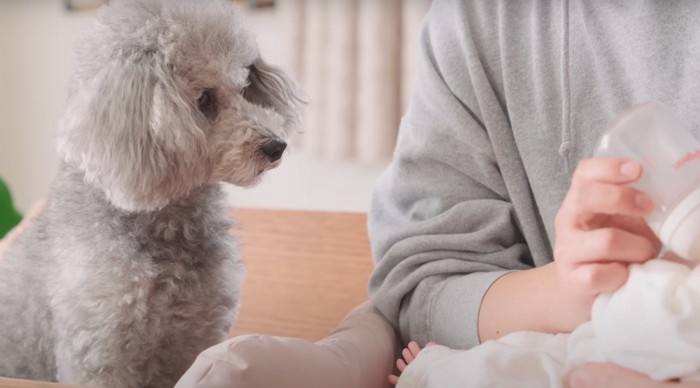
<point>170,95</point>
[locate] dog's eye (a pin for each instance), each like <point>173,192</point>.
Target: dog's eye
<point>206,103</point>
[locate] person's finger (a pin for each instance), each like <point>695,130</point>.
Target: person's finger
<point>400,364</point>
<point>638,226</point>
<point>609,170</point>
<point>603,245</point>
<point>597,187</point>
<point>414,348</point>
<point>607,198</point>
<point>407,355</point>
<point>600,277</point>
<point>431,343</point>
<point>584,206</point>
<point>610,244</point>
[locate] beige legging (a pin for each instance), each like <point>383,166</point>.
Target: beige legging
<point>359,353</point>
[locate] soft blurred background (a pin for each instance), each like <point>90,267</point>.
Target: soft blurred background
<point>354,59</point>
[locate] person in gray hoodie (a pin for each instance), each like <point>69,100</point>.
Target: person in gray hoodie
<point>493,217</point>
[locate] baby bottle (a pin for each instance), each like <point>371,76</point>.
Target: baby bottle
<point>670,155</point>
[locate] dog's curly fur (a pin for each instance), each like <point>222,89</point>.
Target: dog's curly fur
<point>131,271</point>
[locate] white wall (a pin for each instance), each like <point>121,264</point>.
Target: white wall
<point>35,62</point>
<point>36,59</point>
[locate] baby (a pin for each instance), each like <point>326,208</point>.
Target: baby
<point>651,325</point>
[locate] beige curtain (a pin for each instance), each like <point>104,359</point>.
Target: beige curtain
<point>355,59</point>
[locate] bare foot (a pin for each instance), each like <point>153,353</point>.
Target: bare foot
<point>409,354</point>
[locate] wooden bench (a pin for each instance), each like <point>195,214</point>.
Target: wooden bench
<point>306,270</point>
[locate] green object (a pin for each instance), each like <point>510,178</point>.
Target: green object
<point>9,217</point>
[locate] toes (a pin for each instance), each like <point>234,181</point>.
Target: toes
<point>407,355</point>
<point>400,364</point>
<point>393,379</point>
<point>414,349</point>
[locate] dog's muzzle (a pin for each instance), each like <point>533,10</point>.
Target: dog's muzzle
<point>273,149</point>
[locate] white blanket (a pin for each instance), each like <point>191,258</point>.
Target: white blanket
<point>651,325</point>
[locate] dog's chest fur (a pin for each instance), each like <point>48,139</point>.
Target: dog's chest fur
<point>134,292</point>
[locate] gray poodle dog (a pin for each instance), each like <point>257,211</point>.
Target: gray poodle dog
<point>131,270</point>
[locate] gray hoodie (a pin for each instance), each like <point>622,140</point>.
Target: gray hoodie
<point>509,97</point>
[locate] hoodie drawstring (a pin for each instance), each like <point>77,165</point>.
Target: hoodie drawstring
<point>565,145</point>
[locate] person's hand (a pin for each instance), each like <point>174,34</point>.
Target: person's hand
<point>600,230</point>
<point>607,375</point>
<point>34,211</point>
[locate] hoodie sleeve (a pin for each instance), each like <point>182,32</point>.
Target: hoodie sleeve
<point>441,223</point>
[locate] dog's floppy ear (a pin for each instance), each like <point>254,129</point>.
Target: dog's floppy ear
<point>271,87</point>
<point>131,134</point>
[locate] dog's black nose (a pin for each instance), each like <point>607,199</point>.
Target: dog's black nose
<point>274,149</point>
